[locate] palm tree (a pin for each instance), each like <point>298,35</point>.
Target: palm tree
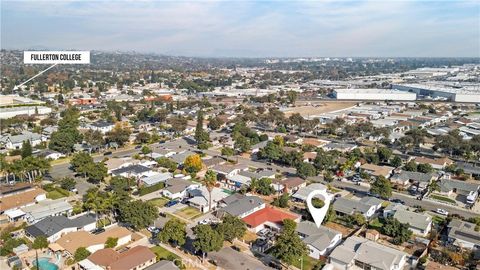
<point>253,185</point>
<point>210,180</point>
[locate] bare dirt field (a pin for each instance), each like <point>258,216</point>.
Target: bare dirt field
<point>316,108</point>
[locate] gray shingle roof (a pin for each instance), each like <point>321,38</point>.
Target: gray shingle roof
<point>414,176</point>
<point>137,169</point>
<point>52,225</point>
<point>446,185</point>
<point>464,231</point>
<point>241,205</point>
<point>318,237</point>
<point>349,207</point>
<point>416,220</point>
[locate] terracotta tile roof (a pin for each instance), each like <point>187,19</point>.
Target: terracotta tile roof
<point>20,199</point>
<point>110,259</point>
<point>74,240</point>
<point>269,214</point>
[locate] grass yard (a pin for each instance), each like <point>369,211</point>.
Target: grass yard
<point>164,254</point>
<point>308,263</point>
<point>188,212</point>
<point>442,198</point>
<point>57,193</point>
<point>159,202</point>
<point>437,220</point>
<point>376,224</point>
<point>103,222</point>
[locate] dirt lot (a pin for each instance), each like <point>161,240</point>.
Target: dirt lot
<point>318,108</point>
<point>338,227</point>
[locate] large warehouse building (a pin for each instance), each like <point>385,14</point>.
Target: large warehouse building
<point>373,94</point>
<point>456,93</point>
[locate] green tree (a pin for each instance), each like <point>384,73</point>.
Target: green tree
<point>80,163</point>
<point>146,150</point>
<point>138,214</point>
<point>305,170</point>
<point>292,97</point>
<point>119,135</point>
<point>215,123</point>
<point>40,242</point>
<point>67,133</point>
<point>167,163</point>
<point>111,242</point>
<point>173,232</point>
<point>96,172</point>
<point>201,136</point>
<point>264,187</point>
<point>281,201</point>
<point>94,138</point>
<point>424,168</point>
<point>384,154</point>
<point>81,254</point>
<point>207,239</point>
<point>67,183</point>
<point>210,181</point>
<point>399,231</point>
<point>242,144</point>
<point>289,248</point>
<point>396,161</point>
<point>232,227</point>
<point>227,151</point>
<point>382,187</point>
<point>26,149</point>
<point>411,166</point>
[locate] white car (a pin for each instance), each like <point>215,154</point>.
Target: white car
<point>441,212</point>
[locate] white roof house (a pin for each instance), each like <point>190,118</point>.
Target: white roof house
<point>200,198</point>
<point>156,178</point>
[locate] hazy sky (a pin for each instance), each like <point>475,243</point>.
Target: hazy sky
<point>247,28</point>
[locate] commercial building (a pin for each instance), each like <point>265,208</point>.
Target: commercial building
<point>440,91</point>
<point>373,94</point>
<point>12,105</point>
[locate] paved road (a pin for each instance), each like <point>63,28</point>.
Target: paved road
<point>229,258</point>
<point>409,200</point>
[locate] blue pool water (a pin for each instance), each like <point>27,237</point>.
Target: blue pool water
<point>45,264</point>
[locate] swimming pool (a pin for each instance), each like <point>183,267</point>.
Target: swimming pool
<point>45,264</point>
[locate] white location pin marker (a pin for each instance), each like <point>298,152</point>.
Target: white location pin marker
<point>319,214</point>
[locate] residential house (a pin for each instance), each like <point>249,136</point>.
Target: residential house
<point>16,141</point>
<point>155,179</point>
<point>180,157</point>
<point>47,208</point>
<point>377,170</point>
<point>54,227</point>
<point>405,178</point>
<point>419,223</point>
<point>70,242</point>
<point>289,184</point>
<point>463,234</point>
<point>360,253</point>
<point>13,197</point>
<point>302,193</point>
<point>214,161</point>
<point>341,147</point>
<point>437,163</point>
<point>50,154</point>
<point>117,163</point>
<point>239,205</point>
<point>258,146</point>
<point>135,258</point>
<point>343,206</point>
<point>463,191</point>
<point>163,265</point>
<point>101,125</point>
<point>268,217</point>
<point>319,240</point>
<point>177,188</point>
<point>136,171</point>
<point>199,198</point>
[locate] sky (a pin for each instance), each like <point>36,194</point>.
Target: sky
<point>337,28</point>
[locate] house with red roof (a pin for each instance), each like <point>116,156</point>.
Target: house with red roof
<point>268,217</point>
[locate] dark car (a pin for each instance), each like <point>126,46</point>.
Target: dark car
<point>107,153</point>
<point>171,203</point>
<point>397,201</point>
<point>138,147</point>
<point>275,265</point>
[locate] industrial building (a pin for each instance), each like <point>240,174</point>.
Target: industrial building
<point>11,106</point>
<point>443,91</point>
<point>373,94</point>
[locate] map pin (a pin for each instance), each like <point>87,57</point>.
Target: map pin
<point>319,214</point>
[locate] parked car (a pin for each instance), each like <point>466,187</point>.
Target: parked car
<point>397,201</point>
<point>441,212</point>
<point>108,153</point>
<point>171,203</point>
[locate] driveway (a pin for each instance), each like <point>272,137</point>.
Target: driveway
<point>228,258</point>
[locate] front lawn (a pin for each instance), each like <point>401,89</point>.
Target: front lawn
<point>376,224</point>
<point>442,198</point>
<point>163,254</point>
<point>188,212</point>
<point>57,193</point>
<point>308,263</point>
<point>103,222</point>
<point>437,220</point>
<point>159,202</point>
